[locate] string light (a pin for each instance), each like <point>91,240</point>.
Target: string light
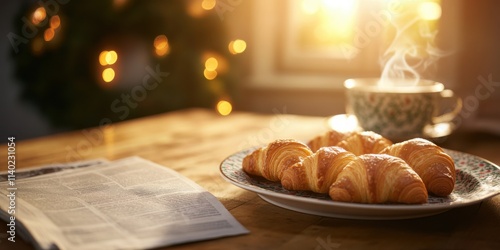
<point>49,34</point>
<point>210,75</point>
<point>208,4</point>
<point>111,57</point>
<point>224,107</point>
<point>102,58</point>
<point>55,22</point>
<point>161,45</point>
<point>48,28</point>
<point>108,74</point>
<point>38,16</point>
<point>108,57</point>
<point>211,64</point>
<point>237,46</point>
<point>214,64</point>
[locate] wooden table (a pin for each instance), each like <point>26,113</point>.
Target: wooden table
<point>194,142</point>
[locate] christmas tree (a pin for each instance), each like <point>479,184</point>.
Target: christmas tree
<point>82,62</point>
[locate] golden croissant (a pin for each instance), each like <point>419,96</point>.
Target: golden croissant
<point>330,138</point>
<point>432,164</point>
<point>378,178</point>
<point>366,142</point>
<point>270,161</point>
<point>317,171</point>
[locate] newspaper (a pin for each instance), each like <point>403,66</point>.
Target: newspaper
<point>47,169</point>
<point>130,203</point>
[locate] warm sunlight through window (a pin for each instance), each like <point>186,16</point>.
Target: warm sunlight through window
<point>347,28</point>
<point>429,10</point>
<point>327,22</point>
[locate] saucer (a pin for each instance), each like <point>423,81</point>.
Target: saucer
<point>349,123</point>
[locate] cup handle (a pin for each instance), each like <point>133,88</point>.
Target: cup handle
<point>448,117</point>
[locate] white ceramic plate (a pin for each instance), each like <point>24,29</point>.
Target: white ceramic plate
<point>477,179</point>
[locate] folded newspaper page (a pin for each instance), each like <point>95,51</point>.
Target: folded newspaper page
<point>130,203</point>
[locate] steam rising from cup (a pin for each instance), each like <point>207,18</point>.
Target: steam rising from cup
<point>412,50</point>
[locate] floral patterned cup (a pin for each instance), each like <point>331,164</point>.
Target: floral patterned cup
<point>400,112</point>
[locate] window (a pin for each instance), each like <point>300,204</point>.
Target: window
<point>323,42</point>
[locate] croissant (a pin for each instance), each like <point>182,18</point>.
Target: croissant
<point>377,178</point>
<point>330,138</point>
<point>270,161</point>
<point>318,171</point>
<point>432,164</point>
<point>366,142</point>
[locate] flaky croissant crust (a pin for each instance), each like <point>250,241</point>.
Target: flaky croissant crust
<point>377,172</point>
<point>366,142</point>
<point>270,161</point>
<point>330,138</point>
<point>317,171</point>
<point>378,178</point>
<point>432,164</point>
<point>359,143</point>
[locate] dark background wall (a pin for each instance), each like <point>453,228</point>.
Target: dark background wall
<point>17,118</point>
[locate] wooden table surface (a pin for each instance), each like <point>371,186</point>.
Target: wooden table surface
<point>195,141</point>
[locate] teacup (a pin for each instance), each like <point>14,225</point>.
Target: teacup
<point>403,111</point>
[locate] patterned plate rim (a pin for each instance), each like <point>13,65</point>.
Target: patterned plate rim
<point>488,187</point>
